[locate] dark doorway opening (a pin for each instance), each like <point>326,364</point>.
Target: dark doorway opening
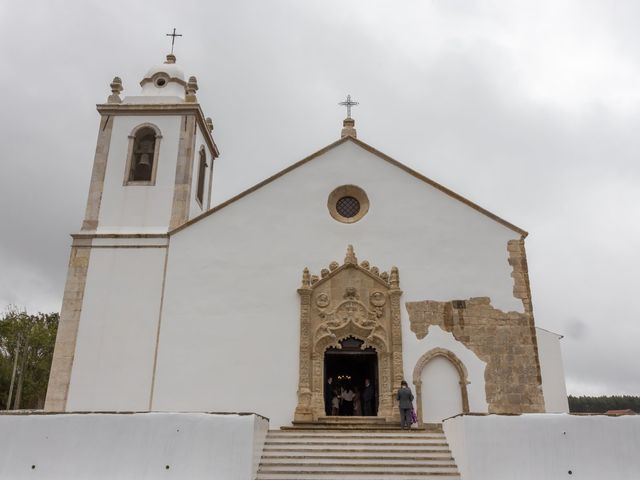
<point>350,367</point>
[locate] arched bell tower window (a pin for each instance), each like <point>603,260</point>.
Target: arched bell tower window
<point>142,156</point>
<point>202,171</point>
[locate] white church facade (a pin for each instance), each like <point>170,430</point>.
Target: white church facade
<point>347,264</point>
<point>198,340</point>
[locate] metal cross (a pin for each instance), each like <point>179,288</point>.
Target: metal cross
<point>173,38</point>
<point>349,103</point>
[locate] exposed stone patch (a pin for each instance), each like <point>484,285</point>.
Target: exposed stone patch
<point>506,341</point>
<point>503,340</point>
<point>520,273</point>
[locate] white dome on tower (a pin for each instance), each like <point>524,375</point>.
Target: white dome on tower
<point>169,67</point>
<point>165,81</point>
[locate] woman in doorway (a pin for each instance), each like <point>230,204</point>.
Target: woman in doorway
<point>405,403</point>
<point>347,401</point>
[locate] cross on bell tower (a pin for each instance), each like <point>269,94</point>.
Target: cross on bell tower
<point>171,58</point>
<point>173,38</point>
<point>348,125</point>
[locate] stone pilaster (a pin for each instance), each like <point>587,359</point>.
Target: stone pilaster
<point>184,172</point>
<point>65,347</point>
<point>97,174</point>
<point>304,412</point>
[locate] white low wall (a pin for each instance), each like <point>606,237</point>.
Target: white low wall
<point>131,446</point>
<point>545,446</point>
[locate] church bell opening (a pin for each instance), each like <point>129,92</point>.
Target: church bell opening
<point>353,390</point>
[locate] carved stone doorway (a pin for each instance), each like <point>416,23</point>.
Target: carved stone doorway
<point>349,301</point>
<point>349,367</point>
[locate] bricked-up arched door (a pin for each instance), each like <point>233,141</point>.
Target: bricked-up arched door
<point>349,300</point>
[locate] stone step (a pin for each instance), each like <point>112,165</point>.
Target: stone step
<point>344,460</point>
<point>444,454</point>
<point>356,452</point>
<point>357,423</point>
<point>368,475</point>
<point>354,419</point>
<point>349,438</point>
<point>357,432</point>
<point>356,448</point>
<point>356,441</point>
<point>339,467</point>
<point>356,426</point>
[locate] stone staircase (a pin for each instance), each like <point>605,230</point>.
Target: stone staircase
<point>339,452</point>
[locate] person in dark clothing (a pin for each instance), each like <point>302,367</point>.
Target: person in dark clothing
<point>405,403</point>
<point>347,401</point>
<point>368,398</point>
<point>328,396</point>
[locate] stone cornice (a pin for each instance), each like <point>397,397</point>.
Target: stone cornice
<point>118,235</point>
<point>163,109</point>
<point>123,240</point>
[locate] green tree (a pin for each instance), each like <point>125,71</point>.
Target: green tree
<point>603,403</point>
<point>26,351</point>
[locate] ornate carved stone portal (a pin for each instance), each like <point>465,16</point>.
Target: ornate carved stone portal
<point>349,300</point>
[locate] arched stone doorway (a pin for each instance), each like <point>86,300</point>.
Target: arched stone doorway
<point>459,368</point>
<point>349,300</point>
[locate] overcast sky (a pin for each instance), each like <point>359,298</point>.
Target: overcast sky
<point>530,109</point>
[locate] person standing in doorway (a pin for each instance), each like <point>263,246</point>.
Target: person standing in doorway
<point>335,404</point>
<point>328,396</point>
<point>357,403</point>
<point>405,403</point>
<point>368,398</point>
<point>347,401</point>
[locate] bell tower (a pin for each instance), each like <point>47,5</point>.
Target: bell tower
<point>152,172</point>
<point>153,167</point>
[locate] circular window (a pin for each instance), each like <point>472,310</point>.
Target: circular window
<point>348,207</point>
<point>161,82</point>
<point>348,203</point>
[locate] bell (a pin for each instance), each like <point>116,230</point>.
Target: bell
<point>143,168</point>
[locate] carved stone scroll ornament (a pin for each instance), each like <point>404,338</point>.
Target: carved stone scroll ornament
<point>349,300</point>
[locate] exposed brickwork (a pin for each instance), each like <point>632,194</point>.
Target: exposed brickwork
<point>506,341</point>
<point>520,273</point>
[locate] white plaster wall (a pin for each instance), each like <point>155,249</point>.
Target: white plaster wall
<point>134,208</point>
<point>545,446</point>
<point>438,338</point>
<point>441,396</point>
<point>230,328</point>
<point>129,446</point>
<point>554,387</point>
<point>113,363</point>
